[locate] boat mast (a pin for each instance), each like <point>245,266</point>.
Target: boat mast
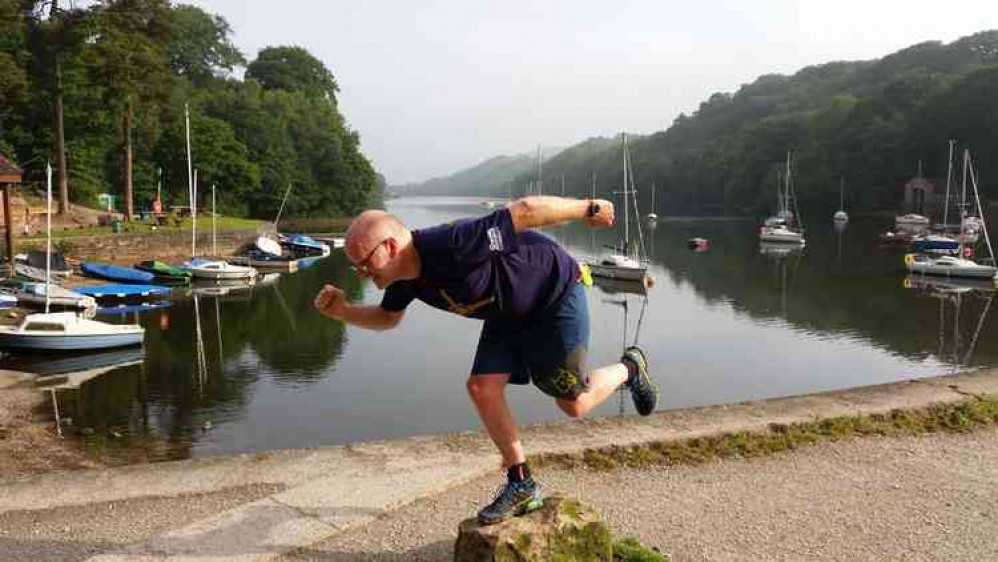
<point>949,176</point>
<point>785,201</point>
<point>214,250</point>
<point>637,217</point>
<point>980,211</point>
<point>283,201</point>
<point>194,217</point>
<point>779,193</point>
<point>190,175</point>
<point>627,216</point>
<point>540,172</point>
<point>48,234</point>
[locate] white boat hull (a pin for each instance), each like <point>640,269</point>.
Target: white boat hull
<point>64,331</point>
<point>268,245</point>
<point>949,266</point>
<point>912,219</point>
<point>781,236</point>
<point>222,270</point>
<point>618,267</point>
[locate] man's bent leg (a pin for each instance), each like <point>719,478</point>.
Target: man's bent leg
<point>520,494</point>
<point>603,382</point>
<point>488,394</point>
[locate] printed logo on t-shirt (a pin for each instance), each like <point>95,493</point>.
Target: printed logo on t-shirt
<point>495,239</point>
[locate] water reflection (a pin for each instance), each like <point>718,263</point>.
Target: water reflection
<point>964,305</point>
<point>738,322</point>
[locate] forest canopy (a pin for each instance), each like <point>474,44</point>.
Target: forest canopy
<point>118,74</point>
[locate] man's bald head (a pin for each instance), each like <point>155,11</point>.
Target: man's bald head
<point>371,228</point>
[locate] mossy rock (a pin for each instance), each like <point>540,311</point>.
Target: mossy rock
<point>562,530</point>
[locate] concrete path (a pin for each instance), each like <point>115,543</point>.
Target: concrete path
<point>258,507</point>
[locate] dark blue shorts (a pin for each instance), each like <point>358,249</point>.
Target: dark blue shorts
<point>549,350</point>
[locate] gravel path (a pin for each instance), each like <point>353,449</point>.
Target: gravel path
<point>913,499</point>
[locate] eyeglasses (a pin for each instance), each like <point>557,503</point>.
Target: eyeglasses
<point>363,268</point>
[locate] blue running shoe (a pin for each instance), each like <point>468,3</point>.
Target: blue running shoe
<point>644,392</point>
<point>515,498</point>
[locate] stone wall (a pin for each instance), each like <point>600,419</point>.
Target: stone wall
<point>129,248</point>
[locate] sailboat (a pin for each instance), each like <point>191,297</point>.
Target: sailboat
<point>64,331</point>
<point>941,242</point>
<point>841,215</point>
<point>780,229</point>
<point>201,268</point>
<point>961,265</point>
<point>625,263</point>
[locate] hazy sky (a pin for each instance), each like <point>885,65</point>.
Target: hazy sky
<point>434,86</point>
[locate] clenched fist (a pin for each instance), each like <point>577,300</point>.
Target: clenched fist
<point>603,216</point>
<point>331,301</point>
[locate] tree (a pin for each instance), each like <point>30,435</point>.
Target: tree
<point>13,73</point>
<point>129,60</point>
<point>54,42</point>
<point>201,49</point>
<point>293,69</point>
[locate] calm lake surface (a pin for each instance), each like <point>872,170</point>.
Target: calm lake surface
<point>734,323</point>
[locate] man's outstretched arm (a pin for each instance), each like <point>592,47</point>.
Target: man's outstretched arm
<point>542,210</point>
<point>332,302</point>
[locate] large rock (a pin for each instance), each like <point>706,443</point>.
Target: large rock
<point>561,530</point>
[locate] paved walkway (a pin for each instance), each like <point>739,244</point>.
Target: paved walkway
<point>260,507</point>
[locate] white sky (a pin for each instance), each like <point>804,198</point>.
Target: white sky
<point>434,86</point>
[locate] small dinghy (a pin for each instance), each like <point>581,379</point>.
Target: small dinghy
<point>164,273</point>
<point>116,273</point>
<point>32,266</point>
<point>268,245</point>
<point>304,245</point>
<point>698,244</point>
<point>35,294</point>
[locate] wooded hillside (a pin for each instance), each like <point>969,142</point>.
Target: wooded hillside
<point>117,74</point>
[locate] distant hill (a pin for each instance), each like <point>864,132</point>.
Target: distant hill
<point>868,122</point>
<point>491,178</point>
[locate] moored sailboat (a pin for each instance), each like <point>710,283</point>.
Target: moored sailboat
<point>964,265</point>
<point>625,262</point>
<point>784,228</point>
<point>62,331</point>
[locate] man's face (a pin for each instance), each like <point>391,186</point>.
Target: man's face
<point>372,261</point>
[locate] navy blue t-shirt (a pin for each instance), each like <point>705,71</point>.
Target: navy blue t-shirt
<point>481,268</point>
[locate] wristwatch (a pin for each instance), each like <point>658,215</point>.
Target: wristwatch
<point>593,209</point>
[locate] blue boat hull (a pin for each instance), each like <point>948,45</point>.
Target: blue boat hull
<point>935,245</point>
<point>67,343</point>
<point>123,291</point>
<point>116,273</point>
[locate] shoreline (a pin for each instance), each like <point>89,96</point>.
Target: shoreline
<point>22,400</point>
<point>276,503</point>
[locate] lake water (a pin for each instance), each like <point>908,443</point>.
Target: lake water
<point>734,323</point>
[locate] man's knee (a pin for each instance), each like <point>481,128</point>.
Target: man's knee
<point>485,387</point>
<point>573,408</point>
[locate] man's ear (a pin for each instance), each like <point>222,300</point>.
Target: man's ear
<point>393,246</point>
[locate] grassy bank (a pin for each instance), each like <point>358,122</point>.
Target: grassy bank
<point>222,224</point>
<point>976,412</point>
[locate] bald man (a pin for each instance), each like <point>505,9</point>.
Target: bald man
<point>530,294</point>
